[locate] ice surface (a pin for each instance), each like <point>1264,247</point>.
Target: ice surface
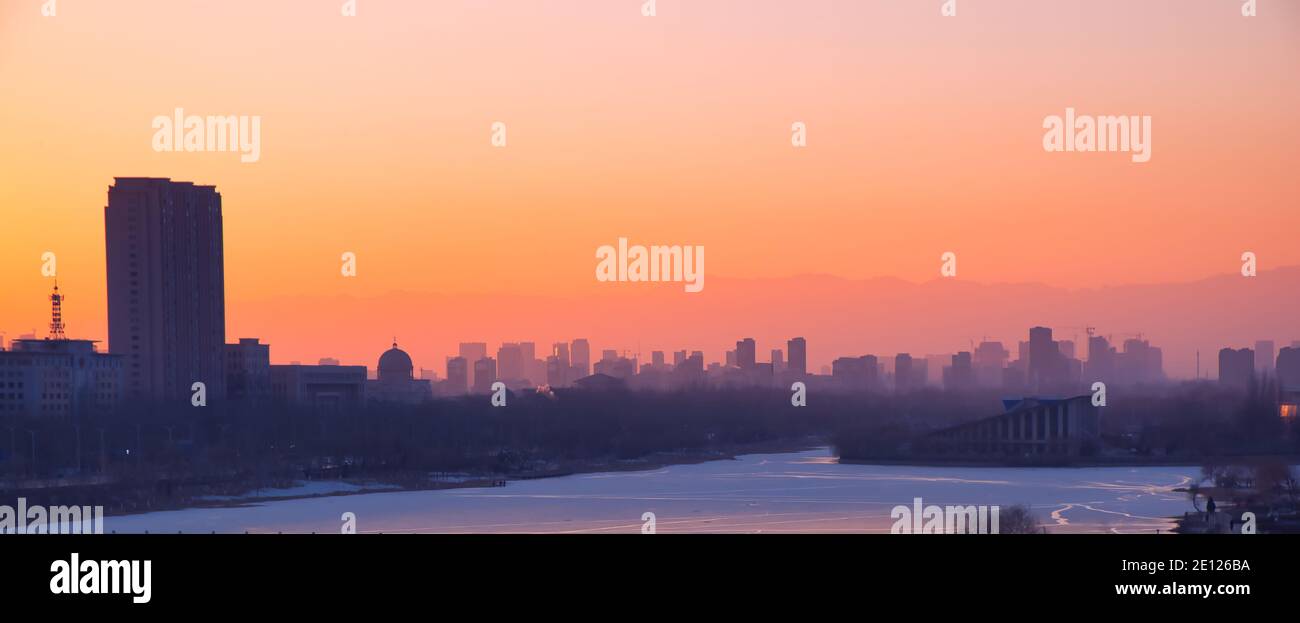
<point>795,492</point>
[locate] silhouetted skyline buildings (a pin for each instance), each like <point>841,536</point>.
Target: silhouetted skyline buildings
<point>166,313</point>
<point>1046,366</point>
<point>166,286</point>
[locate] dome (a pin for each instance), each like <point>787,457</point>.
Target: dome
<point>395,365</point>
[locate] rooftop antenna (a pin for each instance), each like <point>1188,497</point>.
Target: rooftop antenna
<point>56,314</point>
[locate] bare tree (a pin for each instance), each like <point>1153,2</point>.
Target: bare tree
<point>1017,519</point>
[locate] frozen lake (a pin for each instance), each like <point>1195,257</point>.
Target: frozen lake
<point>795,492</point>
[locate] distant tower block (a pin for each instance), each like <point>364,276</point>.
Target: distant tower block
<point>56,315</point>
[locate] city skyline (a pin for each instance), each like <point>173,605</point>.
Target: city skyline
<point>377,267</point>
<point>523,362</point>
<point>324,342</point>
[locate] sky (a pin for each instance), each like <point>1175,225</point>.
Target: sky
<point>924,136</point>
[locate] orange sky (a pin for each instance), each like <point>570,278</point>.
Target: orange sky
<point>924,137</point>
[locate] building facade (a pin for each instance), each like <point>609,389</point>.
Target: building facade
<point>1236,367</point>
<point>395,380</point>
<point>323,388</point>
<point>248,370</point>
<point>58,376</point>
<point>166,286</point>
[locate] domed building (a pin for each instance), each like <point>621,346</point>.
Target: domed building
<point>395,365</point>
<point>396,380</point>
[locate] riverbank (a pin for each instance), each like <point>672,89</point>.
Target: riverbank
<point>180,496</point>
<point>1079,462</point>
<point>786,492</point>
<point>1027,463</point>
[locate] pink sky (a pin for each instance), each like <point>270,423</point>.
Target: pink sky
<point>924,137</point>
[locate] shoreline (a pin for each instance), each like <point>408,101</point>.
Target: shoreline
<point>300,489</point>
<point>1089,462</point>
<point>1020,465</point>
<point>654,461</point>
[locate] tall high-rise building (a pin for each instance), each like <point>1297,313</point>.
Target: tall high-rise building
<point>580,352</point>
<point>855,373</point>
<point>560,351</point>
<point>961,374</point>
<point>472,352</point>
<point>1043,356</point>
<point>989,360</point>
<point>457,376</point>
<point>690,371</point>
<point>1140,362</point>
<point>1101,361</point>
<point>904,375</point>
<point>166,286</point>
<point>485,374</point>
<point>510,362</point>
<point>248,370</point>
<point>1236,367</point>
<point>1288,368</point>
<point>746,353</point>
<point>534,368</point>
<point>797,349</point>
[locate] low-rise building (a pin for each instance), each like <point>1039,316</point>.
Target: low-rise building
<point>319,387</point>
<point>58,376</point>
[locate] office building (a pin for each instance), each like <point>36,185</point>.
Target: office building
<point>797,349</point>
<point>248,371</point>
<point>166,287</point>
<point>57,376</point>
<point>319,388</point>
<point>746,353</point>
<point>472,352</point>
<point>457,382</point>
<point>1236,367</point>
